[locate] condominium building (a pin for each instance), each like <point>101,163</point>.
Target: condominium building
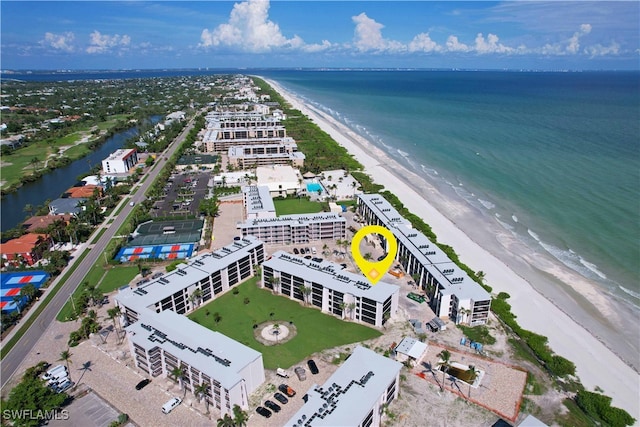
<point>227,129</point>
<point>355,395</point>
<point>257,202</point>
<point>296,228</point>
<point>211,273</point>
<point>327,286</point>
<point>161,342</point>
<point>162,339</point>
<point>282,180</point>
<point>251,156</point>
<point>452,293</point>
<point>120,161</point>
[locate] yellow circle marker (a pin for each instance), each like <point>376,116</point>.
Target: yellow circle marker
<point>374,270</point>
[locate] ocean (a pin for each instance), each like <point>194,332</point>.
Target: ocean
<point>549,159</point>
<point>552,158</point>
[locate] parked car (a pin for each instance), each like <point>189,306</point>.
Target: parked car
<point>171,404</point>
<point>296,251</point>
<point>312,366</point>
<point>142,384</point>
<point>301,373</point>
<point>263,411</point>
<point>287,390</point>
<point>282,373</point>
<point>280,398</point>
<point>64,386</point>
<point>272,405</point>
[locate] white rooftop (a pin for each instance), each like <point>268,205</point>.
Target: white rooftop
<point>350,393</point>
<point>185,275</point>
<point>213,353</point>
<point>258,199</point>
<point>455,280</point>
<point>331,276</point>
<point>277,174</point>
<point>411,347</point>
<point>294,220</point>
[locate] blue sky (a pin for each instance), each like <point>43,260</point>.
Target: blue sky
<point>258,33</point>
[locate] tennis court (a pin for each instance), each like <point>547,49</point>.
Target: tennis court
<point>12,283</point>
<point>155,252</point>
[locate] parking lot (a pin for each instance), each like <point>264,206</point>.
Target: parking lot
<point>89,410</point>
<point>182,194</point>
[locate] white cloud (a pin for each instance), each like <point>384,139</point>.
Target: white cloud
<point>100,43</point>
<point>368,36</point>
<point>490,45</point>
<point>569,47</point>
<point>250,29</point>
<point>423,43</point>
<point>454,45</point>
<point>63,42</point>
<point>599,50</point>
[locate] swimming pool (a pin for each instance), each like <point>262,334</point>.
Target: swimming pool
<point>313,187</point>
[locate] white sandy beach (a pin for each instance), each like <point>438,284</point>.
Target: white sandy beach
<point>596,364</point>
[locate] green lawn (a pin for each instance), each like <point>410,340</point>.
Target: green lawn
<point>112,280</point>
<point>316,331</point>
<point>297,206</point>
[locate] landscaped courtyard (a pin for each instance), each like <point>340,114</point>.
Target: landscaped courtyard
<point>297,206</point>
<point>235,315</point>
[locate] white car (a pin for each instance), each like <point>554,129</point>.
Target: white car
<point>168,407</point>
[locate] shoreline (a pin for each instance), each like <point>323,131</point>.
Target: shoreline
<point>573,341</point>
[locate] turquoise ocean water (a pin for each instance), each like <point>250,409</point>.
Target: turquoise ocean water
<point>554,158</point>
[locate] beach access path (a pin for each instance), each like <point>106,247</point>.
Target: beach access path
<point>596,365</point>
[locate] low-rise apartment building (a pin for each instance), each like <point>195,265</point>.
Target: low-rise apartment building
<point>355,395</point>
<point>251,156</point>
<point>452,293</point>
<point>295,228</point>
<point>162,339</point>
<point>327,286</point>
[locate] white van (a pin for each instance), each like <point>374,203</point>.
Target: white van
<point>53,372</point>
<point>168,407</point>
<point>59,378</point>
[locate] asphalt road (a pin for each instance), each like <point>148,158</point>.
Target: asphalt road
<point>12,360</point>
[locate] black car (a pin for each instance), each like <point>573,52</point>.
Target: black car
<point>272,405</point>
<point>142,384</point>
<point>263,411</point>
<point>296,251</point>
<point>312,366</point>
<point>280,398</point>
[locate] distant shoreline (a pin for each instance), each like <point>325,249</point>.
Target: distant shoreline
<point>571,341</point>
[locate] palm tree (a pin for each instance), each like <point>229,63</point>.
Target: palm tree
<point>66,356</point>
<point>17,299</point>
<point>276,284</point>
<point>445,358</point>
<point>325,249</point>
<point>226,421</point>
<point>196,295</point>
<point>113,313</point>
<point>351,308</point>
<point>480,275</point>
<point>240,417</point>
<point>217,317</point>
<point>178,374</point>
<point>306,291</point>
<point>473,372</point>
<point>343,306</point>
<point>200,390</point>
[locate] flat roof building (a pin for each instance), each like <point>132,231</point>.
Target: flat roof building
<point>120,161</point>
<point>161,342</point>
<point>282,180</point>
<point>258,202</point>
<point>295,228</point>
<point>332,289</point>
<point>452,293</point>
<point>354,395</point>
<point>161,339</point>
<point>251,156</point>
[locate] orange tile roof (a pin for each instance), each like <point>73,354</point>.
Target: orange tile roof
<point>21,245</point>
<point>85,191</point>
